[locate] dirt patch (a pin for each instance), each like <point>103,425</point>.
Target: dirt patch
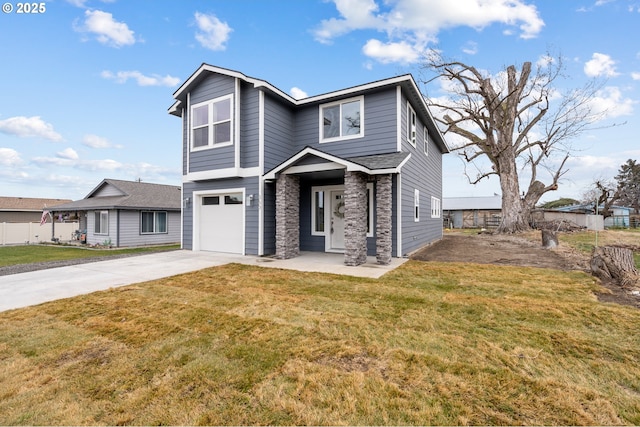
<point>516,251</point>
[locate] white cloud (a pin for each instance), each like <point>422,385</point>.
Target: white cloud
<point>635,75</point>
<point>470,48</point>
<point>88,165</point>
<point>401,52</point>
<point>611,102</point>
<point>29,127</point>
<point>107,30</point>
<point>95,141</point>
<point>413,23</point>
<point>9,157</point>
<point>298,93</point>
<point>600,65</point>
<point>68,153</point>
<point>141,79</point>
<point>213,34</point>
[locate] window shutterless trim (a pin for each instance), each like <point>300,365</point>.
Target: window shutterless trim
<point>340,103</point>
<point>211,123</point>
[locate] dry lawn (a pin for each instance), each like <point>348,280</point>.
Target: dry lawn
<point>430,343</point>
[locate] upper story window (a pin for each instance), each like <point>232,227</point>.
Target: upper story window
<point>342,120</point>
<point>211,123</point>
<point>411,125</point>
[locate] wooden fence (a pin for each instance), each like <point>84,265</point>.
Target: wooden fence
<point>13,233</point>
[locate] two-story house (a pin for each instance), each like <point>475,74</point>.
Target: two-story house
<point>356,171</point>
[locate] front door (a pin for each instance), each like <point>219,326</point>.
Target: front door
<point>337,220</point>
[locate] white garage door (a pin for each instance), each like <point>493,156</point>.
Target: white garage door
<point>221,222</point>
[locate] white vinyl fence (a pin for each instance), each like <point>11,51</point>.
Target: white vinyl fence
<point>32,232</point>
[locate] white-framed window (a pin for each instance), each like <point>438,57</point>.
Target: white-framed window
<point>411,125</point>
<point>321,214</point>
<point>212,123</point>
<point>342,120</point>
<point>427,139</point>
<point>101,223</point>
<point>153,222</point>
<point>416,205</point>
<point>436,210</point>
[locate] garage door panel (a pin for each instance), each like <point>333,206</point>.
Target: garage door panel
<point>221,223</point>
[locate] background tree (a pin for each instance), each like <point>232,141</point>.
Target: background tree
<point>623,191</point>
<point>628,179</point>
<point>517,120</point>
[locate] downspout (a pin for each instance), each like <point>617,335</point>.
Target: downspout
<point>117,228</point>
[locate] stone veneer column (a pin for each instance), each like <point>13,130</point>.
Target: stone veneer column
<point>383,219</point>
<point>355,218</point>
<point>287,216</point>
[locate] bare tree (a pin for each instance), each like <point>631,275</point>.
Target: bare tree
<point>518,121</point>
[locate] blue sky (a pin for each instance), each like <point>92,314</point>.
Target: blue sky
<point>86,84</point>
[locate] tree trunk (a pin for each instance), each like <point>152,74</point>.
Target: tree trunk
<point>615,263</point>
<point>549,239</point>
<point>514,219</point>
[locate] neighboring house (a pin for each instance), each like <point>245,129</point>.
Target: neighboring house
<point>620,215</point>
<point>25,209</point>
<point>472,212</point>
<point>127,213</point>
<point>356,171</point>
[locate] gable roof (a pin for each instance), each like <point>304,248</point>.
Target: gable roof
<point>373,164</point>
<point>406,81</point>
<point>128,195</point>
<point>25,204</point>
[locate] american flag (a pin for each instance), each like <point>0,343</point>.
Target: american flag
<point>43,220</point>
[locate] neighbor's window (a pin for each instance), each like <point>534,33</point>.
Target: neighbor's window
<point>101,225</point>
<point>436,210</point>
<point>341,120</point>
<point>153,222</point>
<point>416,205</point>
<point>411,125</point>
<point>211,123</point>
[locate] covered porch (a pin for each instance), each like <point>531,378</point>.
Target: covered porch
<point>342,203</point>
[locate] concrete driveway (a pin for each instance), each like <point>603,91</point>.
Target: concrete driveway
<point>26,289</point>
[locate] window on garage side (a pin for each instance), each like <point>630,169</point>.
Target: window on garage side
<point>101,225</point>
<point>212,123</point>
<point>153,222</point>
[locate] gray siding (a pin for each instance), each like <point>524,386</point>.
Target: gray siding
<point>249,126</point>
<point>214,86</point>
<point>424,173</point>
<point>279,123</point>
<point>98,239</point>
<point>124,230</point>
<point>107,190</point>
<point>130,234</point>
<point>379,128</point>
<point>251,212</point>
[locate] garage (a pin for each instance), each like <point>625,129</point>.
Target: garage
<point>221,223</point>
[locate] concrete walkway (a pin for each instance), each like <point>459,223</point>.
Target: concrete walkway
<point>26,289</point>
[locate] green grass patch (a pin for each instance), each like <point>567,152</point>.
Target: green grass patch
<point>429,343</point>
<point>12,255</point>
